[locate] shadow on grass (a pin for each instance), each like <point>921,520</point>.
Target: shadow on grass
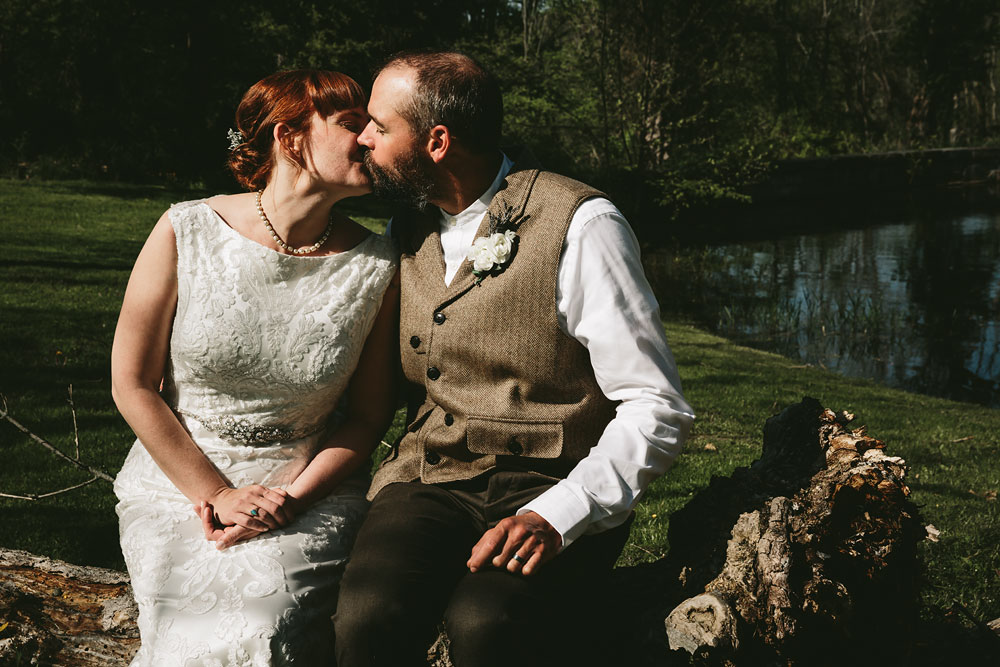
<point>111,264</point>
<point>127,190</point>
<point>92,541</point>
<point>945,490</point>
<point>951,641</point>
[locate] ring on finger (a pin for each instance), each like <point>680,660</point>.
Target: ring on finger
<point>254,512</point>
<point>518,558</point>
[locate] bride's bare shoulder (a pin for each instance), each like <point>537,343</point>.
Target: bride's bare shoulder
<point>227,205</point>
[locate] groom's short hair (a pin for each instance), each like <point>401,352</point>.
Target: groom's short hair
<point>453,90</point>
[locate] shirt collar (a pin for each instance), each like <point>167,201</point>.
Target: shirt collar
<point>477,209</point>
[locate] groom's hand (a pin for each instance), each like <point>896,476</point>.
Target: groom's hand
<point>528,536</point>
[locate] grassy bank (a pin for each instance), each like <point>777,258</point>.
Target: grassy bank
<point>65,254</point>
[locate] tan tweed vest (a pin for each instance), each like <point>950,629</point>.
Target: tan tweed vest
<point>492,380</point>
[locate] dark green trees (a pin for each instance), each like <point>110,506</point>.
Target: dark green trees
<point>668,102</point>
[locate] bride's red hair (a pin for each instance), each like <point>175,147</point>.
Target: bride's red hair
<point>288,97</point>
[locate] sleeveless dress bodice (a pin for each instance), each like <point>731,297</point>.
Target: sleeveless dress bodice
<point>262,348</point>
<point>264,344</point>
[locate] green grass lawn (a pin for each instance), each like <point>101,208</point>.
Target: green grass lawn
<point>65,256</point>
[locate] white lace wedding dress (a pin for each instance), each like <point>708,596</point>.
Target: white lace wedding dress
<point>262,348</point>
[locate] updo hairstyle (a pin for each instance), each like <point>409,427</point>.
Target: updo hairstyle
<point>288,97</point>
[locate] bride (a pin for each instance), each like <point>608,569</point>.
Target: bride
<point>254,359</point>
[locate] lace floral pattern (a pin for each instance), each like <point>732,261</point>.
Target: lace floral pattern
<point>262,348</point>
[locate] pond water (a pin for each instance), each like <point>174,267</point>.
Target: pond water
<point>910,297</point>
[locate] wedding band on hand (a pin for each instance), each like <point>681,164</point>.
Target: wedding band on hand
<point>518,558</point>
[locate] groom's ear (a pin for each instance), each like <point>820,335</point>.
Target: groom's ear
<point>438,142</point>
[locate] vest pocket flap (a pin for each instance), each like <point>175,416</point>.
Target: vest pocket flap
<point>515,437</point>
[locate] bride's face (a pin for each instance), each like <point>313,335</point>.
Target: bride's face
<point>331,152</point>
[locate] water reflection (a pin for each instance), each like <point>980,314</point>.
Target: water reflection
<point>915,304</point>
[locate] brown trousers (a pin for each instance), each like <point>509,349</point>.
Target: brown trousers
<point>407,573</point>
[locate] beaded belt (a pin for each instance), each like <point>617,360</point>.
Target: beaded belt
<point>249,432</point>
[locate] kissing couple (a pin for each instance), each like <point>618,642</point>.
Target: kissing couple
<point>257,358</point>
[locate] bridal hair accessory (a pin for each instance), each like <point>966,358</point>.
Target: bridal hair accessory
<point>235,139</point>
<point>281,244</point>
<point>491,254</point>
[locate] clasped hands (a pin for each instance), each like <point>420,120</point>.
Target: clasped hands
<point>236,515</point>
<point>518,543</point>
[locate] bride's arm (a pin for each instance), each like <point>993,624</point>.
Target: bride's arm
<point>370,408</point>
<point>138,358</point>
<point>371,405</point>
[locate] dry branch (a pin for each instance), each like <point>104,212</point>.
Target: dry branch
<point>76,429</point>
<point>95,473</point>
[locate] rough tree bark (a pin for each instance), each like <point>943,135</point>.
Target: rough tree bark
<point>795,560</point>
<point>53,613</point>
<point>819,561</point>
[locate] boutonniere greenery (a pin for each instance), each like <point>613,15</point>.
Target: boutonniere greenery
<point>491,254</point>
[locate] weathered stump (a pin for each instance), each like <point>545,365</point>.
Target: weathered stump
<point>54,613</point>
<point>817,558</point>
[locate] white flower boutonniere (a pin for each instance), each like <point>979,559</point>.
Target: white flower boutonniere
<point>491,254</point>
<point>490,251</point>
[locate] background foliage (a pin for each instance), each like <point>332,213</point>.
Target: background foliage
<point>671,102</point>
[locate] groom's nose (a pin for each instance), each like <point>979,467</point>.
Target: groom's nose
<point>367,136</point>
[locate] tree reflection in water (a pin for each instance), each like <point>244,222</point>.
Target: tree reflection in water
<point>914,303</point>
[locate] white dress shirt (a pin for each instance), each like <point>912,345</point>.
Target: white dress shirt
<point>603,301</point>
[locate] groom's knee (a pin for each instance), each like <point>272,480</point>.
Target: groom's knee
<point>494,618</point>
<point>366,625</point>
<point>381,619</point>
<point>477,626</point>
<point>362,610</point>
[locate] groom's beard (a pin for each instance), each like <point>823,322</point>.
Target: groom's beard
<point>408,181</point>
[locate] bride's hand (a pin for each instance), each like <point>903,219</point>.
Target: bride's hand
<point>224,537</point>
<point>254,507</point>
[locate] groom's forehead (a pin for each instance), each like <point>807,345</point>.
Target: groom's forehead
<point>393,85</point>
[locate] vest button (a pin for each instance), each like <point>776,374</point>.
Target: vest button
<point>514,447</point>
<point>414,341</point>
<point>449,419</point>
<point>432,458</point>
<point>433,373</point>
<point>439,317</point>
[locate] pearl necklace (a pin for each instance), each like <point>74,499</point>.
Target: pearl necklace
<point>281,244</point>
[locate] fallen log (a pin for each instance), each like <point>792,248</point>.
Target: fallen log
<point>819,557</point>
<point>804,557</point>
<point>54,613</point>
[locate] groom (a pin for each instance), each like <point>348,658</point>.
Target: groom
<point>542,396</point>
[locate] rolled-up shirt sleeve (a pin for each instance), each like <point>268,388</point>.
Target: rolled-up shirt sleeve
<point>605,302</point>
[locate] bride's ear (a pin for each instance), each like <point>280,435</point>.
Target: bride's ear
<point>288,143</point>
